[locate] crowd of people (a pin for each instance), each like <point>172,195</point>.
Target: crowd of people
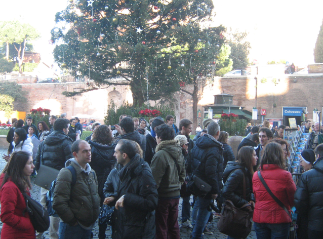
<point>141,169</point>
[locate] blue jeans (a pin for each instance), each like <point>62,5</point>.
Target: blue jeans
<point>195,210</point>
<point>202,216</point>
<point>186,209</point>
<point>73,232</point>
<point>272,231</point>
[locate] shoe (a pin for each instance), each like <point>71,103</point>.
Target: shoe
<point>207,231</point>
<point>187,224</point>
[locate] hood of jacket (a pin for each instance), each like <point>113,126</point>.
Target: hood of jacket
<point>132,167</point>
<point>207,141</point>
<point>318,164</point>
<point>231,165</point>
<point>87,169</point>
<point>170,146</point>
<point>101,146</point>
<point>56,137</point>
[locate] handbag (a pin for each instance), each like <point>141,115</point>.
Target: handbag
<point>235,222</point>
<point>37,213</point>
<point>196,185</point>
<point>105,216</point>
<point>45,176</point>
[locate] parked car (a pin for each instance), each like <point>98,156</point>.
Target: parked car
<point>47,80</point>
<point>237,73</point>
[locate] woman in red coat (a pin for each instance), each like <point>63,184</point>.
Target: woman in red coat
<point>271,220</point>
<point>16,222</point>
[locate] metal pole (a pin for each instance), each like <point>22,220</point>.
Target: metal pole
<point>147,89</point>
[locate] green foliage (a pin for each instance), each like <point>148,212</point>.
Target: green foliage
<point>85,134</point>
<point>239,49</point>
<point>26,67</point>
<point>276,62</point>
<point>14,90</point>
<point>37,117</point>
<point>4,131</point>
<point>5,66</point>
<point>223,62</point>
<point>233,126</point>
<point>113,112</point>
<point>112,49</point>
<point>6,104</point>
<point>318,50</point>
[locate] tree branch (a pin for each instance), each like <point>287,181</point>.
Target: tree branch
<point>187,92</point>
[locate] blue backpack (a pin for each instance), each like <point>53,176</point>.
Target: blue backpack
<point>50,193</point>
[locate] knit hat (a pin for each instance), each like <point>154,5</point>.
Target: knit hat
<point>156,123</point>
<point>206,122</point>
<point>182,139</point>
<point>308,155</point>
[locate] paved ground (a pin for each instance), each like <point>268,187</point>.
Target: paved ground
<point>185,233</point>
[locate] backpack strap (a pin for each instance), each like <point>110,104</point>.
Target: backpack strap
<point>72,170</point>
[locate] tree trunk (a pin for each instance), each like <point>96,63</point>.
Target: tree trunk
<point>22,56</point>
<point>195,101</point>
<point>7,51</point>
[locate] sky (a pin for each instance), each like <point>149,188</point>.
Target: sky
<point>277,29</point>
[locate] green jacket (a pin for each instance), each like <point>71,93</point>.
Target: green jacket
<point>81,203</point>
<point>164,169</point>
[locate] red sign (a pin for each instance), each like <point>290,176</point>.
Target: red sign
<point>263,112</point>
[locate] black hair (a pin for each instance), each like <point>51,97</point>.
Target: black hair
<point>21,132</point>
<point>319,150</point>
<point>53,117</point>
<point>165,132</point>
<point>185,123</point>
<point>255,129</point>
<point>127,125</point>
<point>127,147</point>
<point>61,124</point>
<point>168,117</point>
<point>268,132</point>
<point>29,117</point>
<point>255,138</point>
<point>20,123</point>
<point>76,145</point>
<point>282,127</point>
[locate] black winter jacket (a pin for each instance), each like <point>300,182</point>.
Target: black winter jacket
<point>209,152</point>
<point>54,150</point>
<point>309,196</point>
<point>135,181</point>
<point>72,132</point>
<point>102,162</point>
<point>233,184</point>
<point>227,154</point>
<point>246,142</point>
<point>151,145</point>
<point>134,136</point>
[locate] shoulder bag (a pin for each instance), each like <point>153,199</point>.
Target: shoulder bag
<point>196,185</point>
<point>37,213</point>
<point>235,222</point>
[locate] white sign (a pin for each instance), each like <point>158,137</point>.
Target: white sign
<point>254,114</point>
<point>210,116</point>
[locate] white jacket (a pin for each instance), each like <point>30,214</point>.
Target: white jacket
<point>26,145</point>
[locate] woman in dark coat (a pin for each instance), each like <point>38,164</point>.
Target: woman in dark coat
<point>16,223</point>
<point>102,160</point>
<point>227,150</point>
<point>233,178</point>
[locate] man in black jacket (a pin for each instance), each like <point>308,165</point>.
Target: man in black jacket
<point>53,152</point>
<point>151,143</point>
<point>29,122</point>
<point>309,196</point>
<point>247,141</point>
<point>185,126</point>
<point>136,196</point>
<point>208,162</point>
<point>126,129</point>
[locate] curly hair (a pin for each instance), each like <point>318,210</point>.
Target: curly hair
<point>45,126</point>
<point>102,135</point>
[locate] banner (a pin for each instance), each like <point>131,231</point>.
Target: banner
<point>254,114</point>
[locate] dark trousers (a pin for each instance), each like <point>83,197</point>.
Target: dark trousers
<point>166,219</point>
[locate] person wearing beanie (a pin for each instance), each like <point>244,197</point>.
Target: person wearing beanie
<point>308,198</point>
<point>307,159</point>
<point>151,142</point>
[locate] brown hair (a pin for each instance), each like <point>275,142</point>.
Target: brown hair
<point>245,156</point>
<point>273,154</point>
<point>281,142</point>
<point>102,135</point>
<point>266,124</point>
<point>223,138</point>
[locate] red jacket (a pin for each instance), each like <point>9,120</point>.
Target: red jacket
<point>282,186</point>
<point>15,225</point>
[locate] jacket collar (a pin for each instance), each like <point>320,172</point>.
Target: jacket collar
<point>270,167</point>
<point>166,142</point>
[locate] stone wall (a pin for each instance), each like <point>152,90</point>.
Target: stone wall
<point>273,94</point>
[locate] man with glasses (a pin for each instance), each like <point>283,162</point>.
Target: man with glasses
<point>265,135</point>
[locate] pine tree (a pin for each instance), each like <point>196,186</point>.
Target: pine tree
<point>131,42</point>
<point>318,50</point>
